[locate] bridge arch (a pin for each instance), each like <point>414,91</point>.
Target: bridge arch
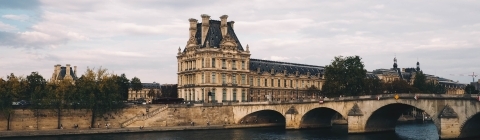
<point>318,117</point>
<point>470,127</point>
<point>262,117</point>
<point>385,117</point>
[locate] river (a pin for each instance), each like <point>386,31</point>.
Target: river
<point>414,131</point>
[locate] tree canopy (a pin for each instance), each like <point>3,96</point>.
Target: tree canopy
<point>470,89</point>
<point>344,76</point>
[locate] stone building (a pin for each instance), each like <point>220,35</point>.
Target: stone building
<point>143,94</point>
<point>62,73</point>
<point>214,67</point>
<point>408,74</point>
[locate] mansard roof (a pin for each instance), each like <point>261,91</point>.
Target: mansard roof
<point>214,35</point>
<point>63,72</point>
<point>151,85</point>
<point>279,67</point>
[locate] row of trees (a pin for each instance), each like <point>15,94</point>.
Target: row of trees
<point>96,91</point>
<point>348,76</point>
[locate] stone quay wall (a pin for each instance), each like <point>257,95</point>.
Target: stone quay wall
<point>178,115</point>
<point>26,119</point>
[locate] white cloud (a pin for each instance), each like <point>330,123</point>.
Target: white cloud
<point>141,38</point>
<point>16,17</point>
<point>6,27</point>
<point>378,6</point>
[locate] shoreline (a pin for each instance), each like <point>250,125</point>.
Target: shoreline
<point>61,132</point>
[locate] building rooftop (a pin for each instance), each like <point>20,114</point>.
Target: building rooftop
<point>291,68</point>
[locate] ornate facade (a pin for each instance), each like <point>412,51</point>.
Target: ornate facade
<point>214,67</point>
<point>408,74</point>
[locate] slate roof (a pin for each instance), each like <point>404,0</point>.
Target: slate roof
<point>214,35</point>
<point>371,75</point>
<point>151,85</point>
<point>63,72</point>
<point>267,66</point>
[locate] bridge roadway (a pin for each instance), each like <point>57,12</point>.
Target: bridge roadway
<point>455,116</point>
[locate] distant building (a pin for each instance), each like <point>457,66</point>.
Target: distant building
<point>143,94</point>
<point>63,73</point>
<point>408,74</point>
<point>215,67</point>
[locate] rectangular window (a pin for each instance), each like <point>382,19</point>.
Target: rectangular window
<point>213,62</point>
<point>243,95</point>
<point>243,65</point>
<point>271,80</point>
<point>243,78</point>
<point>224,64</point>
<point>278,82</point>
<point>234,94</point>
<point>224,78</point>
<point>203,78</point>
<point>303,84</point>
<point>213,95</point>
<point>265,83</point>
<point>234,78</point>
<point>258,81</point>
<point>234,64</point>
<point>224,95</point>
<point>213,77</point>
<point>251,80</point>
<point>203,62</point>
<point>285,83</point>
<point>291,84</point>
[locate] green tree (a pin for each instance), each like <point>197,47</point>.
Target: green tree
<point>373,86</point>
<point>12,89</point>
<point>136,84</point>
<point>151,93</point>
<point>470,89</point>
<point>101,93</point>
<point>36,91</point>
<point>6,100</point>
<point>313,91</point>
<point>123,83</point>
<point>435,88</point>
<point>420,82</point>
<point>400,86</point>
<point>345,75</point>
<point>58,97</point>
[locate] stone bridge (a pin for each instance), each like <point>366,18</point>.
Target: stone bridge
<point>455,116</point>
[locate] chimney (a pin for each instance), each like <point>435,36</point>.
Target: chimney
<point>193,27</point>
<point>75,70</point>
<point>205,26</point>
<point>58,69</point>
<point>67,71</point>
<point>54,69</point>
<point>223,24</point>
<point>231,23</point>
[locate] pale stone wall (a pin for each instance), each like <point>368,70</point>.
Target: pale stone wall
<point>26,120</point>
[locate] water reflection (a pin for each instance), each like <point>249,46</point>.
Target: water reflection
<point>426,131</point>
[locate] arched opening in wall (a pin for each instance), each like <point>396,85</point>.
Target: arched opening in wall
<point>321,118</point>
<point>471,127</point>
<point>388,117</point>
<point>264,117</point>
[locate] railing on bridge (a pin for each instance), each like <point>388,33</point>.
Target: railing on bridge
<point>402,96</point>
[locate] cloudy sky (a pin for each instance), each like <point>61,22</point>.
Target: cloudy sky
<point>141,37</point>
